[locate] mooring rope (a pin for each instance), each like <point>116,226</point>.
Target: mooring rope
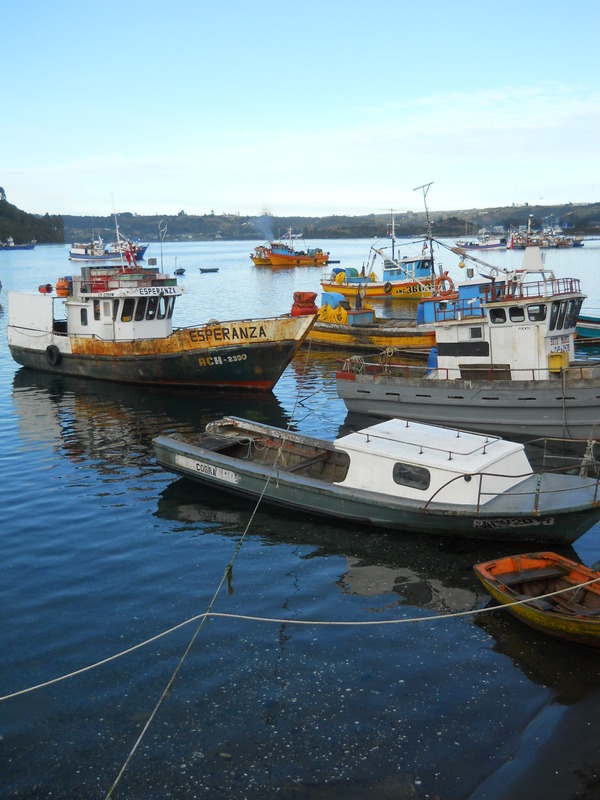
<point>227,575</point>
<point>285,621</point>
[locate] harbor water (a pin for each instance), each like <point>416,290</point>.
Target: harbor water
<point>414,696</point>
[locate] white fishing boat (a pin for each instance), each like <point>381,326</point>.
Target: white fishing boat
<point>399,475</point>
<point>504,360</point>
<point>115,323</point>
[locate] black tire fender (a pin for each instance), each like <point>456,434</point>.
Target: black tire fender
<point>53,355</point>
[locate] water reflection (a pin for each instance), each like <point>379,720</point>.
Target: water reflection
<point>571,672</point>
<point>405,569</point>
<point>115,423</point>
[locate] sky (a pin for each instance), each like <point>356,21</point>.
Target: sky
<point>310,108</point>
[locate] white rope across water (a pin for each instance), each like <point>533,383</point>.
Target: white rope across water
<point>285,621</point>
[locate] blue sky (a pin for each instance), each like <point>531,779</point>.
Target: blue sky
<point>309,108</point>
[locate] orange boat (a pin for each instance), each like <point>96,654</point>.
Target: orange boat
<point>261,256</point>
<point>556,596</point>
<point>283,253</point>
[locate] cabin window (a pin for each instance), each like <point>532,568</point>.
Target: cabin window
<point>106,308</point>
<point>573,312</point>
<point>97,310</point>
<point>497,315</point>
<point>171,303</point>
<point>476,332</point>
<point>151,310</point>
<point>140,309</point>
<point>128,308</point>
<point>411,475</point>
<point>537,312</point>
<point>83,316</point>
<point>162,307</point>
<point>554,314</point>
<point>561,315</point>
<point>516,314</point>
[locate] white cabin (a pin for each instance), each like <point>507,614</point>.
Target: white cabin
<point>108,304</point>
<point>518,328</point>
<point>419,461</point>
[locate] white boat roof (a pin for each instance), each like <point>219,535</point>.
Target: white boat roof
<point>430,445</point>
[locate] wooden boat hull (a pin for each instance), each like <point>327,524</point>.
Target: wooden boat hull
<point>296,260</point>
<point>309,478</point>
<point>245,354</point>
<point>510,408</point>
<point>370,337</point>
<point>400,290</point>
<point>530,575</point>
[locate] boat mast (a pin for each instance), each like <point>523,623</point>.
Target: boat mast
<point>425,188</point>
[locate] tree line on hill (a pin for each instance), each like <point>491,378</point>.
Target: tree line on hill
<point>577,219</point>
<point>581,219</point>
<point>23,227</point>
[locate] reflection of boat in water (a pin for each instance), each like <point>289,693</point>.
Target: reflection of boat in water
<point>115,423</point>
<point>553,594</point>
<point>396,474</point>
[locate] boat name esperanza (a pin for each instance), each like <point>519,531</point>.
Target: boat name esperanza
<point>230,333</point>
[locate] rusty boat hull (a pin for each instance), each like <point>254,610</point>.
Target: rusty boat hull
<point>244,354</point>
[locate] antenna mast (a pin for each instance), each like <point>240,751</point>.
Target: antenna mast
<point>425,188</point>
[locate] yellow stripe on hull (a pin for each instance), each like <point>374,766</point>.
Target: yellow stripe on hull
<point>345,336</point>
<point>400,291</point>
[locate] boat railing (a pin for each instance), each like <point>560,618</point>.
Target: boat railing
<point>519,289</point>
<point>585,468</point>
<point>485,372</point>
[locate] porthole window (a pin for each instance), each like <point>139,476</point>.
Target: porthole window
<point>476,332</point>
<point>411,475</point>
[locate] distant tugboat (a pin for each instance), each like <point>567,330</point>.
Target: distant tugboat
<point>117,325</point>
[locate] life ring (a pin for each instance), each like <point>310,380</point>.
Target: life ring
<point>53,355</point>
<point>444,279</point>
<point>387,288</point>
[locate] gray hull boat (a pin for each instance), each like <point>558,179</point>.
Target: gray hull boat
<point>400,475</point>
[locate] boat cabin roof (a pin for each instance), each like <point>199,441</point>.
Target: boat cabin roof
<point>430,445</point>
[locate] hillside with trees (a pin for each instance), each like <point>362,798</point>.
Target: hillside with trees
<point>576,219</point>
<point>582,219</point>
<point>23,227</point>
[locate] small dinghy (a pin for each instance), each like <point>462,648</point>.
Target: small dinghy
<point>404,476</point>
<point>563,597</point>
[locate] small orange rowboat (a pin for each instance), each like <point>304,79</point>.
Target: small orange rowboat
<point>563,597</point>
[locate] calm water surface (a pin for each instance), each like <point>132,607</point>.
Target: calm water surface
<point>103,550</point>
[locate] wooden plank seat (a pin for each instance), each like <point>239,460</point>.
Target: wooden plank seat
<point>513,578</point>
